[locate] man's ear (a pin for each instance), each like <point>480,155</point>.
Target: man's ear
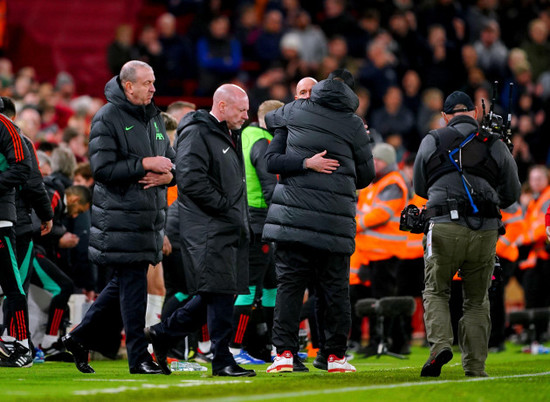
<point>445,117</point>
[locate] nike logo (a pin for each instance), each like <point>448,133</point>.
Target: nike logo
<point>225,150</point>
<point>128,128</point>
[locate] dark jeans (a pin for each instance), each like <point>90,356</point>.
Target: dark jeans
<point>125,296</point>
<point>296,265</point>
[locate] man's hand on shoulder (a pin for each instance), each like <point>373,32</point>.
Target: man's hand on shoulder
<point>152,179</point>
<point>158,164</point>
<point>320,164</point>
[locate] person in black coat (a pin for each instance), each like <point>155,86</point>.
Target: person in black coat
<point>214,228</point>
<point>132,163</point>
<point>312,215</point>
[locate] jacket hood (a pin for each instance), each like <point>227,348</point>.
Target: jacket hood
<point>336,95</point>
<point>115,95</point>
<point>199,117</point>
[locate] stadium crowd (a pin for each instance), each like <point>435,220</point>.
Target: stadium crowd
<point>406,57</point>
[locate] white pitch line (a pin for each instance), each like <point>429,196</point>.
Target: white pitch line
<point>137,387</point>
<point>367,388</point>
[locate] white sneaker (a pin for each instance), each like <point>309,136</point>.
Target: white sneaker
<point>336,365</point>
<point>282,363</point>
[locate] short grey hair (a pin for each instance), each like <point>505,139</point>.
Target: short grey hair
<point>128,70</point>
<point>63,161</point>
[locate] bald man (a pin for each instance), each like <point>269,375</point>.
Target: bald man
<point>214,232</point>
<point>303,88</point>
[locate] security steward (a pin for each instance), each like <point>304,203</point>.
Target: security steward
<point>466,174</point>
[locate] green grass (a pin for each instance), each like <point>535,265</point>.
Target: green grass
<point>514,376</point>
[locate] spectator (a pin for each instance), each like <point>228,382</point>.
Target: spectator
<point>394,121</point>
<point>219,56</point>
<point>442,64</point>
<point>178,57</point>
<point>492,54</point>
<point>247,30</point>
<point>83,175</point>
<point>149,49</point>
<point>313,44</point>
<point>378,73</point>
<point>120,50</point>
<point>537,48</point>
<point>178,109</point>
<point>268,43</point>
<point>338,49</point>
<point>77,143</point>
<point>337,21</point>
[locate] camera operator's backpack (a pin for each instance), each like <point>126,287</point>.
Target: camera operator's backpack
<point>475,156</point>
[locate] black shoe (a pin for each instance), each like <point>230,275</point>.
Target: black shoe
<point>20,356</point>
<point>298,366</point>
<point>432,368</point>
<point>234,371</point>
<point>79,353</point>
<point>160,350</point>
<point>320,362</point>
<point>146,367</point>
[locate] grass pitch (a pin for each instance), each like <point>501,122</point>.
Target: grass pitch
<point>514,375</point>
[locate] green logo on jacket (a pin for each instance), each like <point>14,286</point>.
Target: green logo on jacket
<point>128,128</point>
<point>158,134</point>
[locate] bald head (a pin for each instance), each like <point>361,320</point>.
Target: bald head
<point>230,104</point>
<point>303,88</point>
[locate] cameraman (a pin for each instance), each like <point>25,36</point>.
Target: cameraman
<point>466,174</point>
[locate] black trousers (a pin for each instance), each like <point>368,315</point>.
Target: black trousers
<point>12,286</point>
<point>125,296</point>
<point>296,265</point>
<point>214,308</point>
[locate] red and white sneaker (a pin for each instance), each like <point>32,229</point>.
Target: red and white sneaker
<point>336,365</point>
<point>282,363</point>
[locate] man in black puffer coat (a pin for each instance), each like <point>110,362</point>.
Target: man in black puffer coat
<point>132,161</point>
<point>312,215</point>
<point>214,229</point>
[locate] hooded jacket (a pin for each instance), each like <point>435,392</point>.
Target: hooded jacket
<point>313,208</point>
<point>127,221</point>
<point>213,209</point>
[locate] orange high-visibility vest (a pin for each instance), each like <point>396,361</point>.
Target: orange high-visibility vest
<point>378,235</point>
<point>535,218</point>
<point>514,222</point>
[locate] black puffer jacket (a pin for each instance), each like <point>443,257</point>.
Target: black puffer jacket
<point>212,203</point>
<point>127,221</point>
<point>313,208</point>
<point>32,195</point>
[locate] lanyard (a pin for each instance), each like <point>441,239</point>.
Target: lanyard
<point>459,168</point>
